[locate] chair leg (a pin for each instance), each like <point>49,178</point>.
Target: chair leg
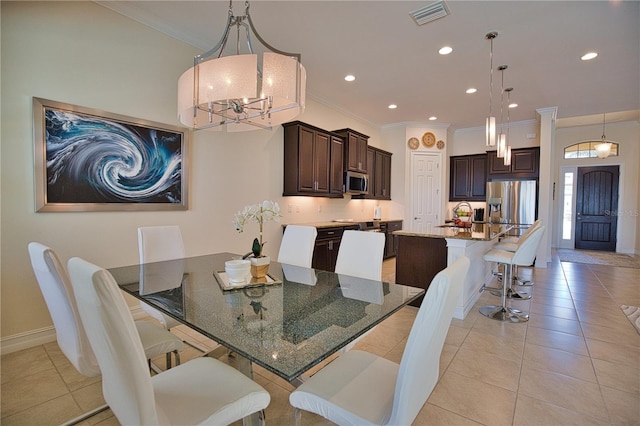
<point>297,417</point>
<point>153,367</point>
<point>168,358</point>
<point>511,293</point>
<point>503,312</point>
<point>176,355</point>
<point>519,281</point>
<point>260,417</point>
<point>86,415</point>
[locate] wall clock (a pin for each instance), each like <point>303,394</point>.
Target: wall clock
<point>428,139</point>
<point>414,143</point>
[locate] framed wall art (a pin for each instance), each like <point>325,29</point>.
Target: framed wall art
<point>91,160</point>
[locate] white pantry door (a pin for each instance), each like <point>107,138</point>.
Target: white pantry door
<point>425,190</point>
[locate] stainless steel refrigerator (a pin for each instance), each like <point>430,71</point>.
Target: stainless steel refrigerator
<point>511,202</point>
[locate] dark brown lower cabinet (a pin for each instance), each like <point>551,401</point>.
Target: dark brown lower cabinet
<point>391,242</point>
<point>325,252</point>
<point>418,260</point>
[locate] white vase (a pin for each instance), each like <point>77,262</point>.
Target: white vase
<point>260,266</point>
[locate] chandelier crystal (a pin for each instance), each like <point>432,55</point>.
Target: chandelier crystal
<point>240,91</point>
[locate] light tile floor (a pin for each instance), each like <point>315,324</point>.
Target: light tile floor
<point>576,362</point>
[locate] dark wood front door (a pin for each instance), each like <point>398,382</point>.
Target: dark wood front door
<point>597,208</point>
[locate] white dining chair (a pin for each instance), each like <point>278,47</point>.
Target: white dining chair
<point>360,388</point>
<point>361,254</point>
<point>157,244</point>
<point>297,245</point>
<point>201,391</point>
<point>72,339</point>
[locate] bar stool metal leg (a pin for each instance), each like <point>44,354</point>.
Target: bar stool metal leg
<point>519,281</point>
<point>504,313</point>
<point>511,293</point>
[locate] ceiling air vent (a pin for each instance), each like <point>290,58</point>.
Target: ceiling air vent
<point>430,13</point>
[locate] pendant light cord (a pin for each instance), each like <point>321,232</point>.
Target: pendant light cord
<point>491,77</point>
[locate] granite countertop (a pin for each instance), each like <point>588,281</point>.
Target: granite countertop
<point>477,232</point>
<point>332,224</point>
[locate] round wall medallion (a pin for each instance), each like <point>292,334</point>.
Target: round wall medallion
<point>428,139</point>
<point>440,144</point>
<point>414,143</point>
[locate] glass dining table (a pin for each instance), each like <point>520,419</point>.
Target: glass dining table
<point>295,321</point>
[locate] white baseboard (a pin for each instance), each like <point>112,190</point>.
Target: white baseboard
<point>27,340</point>
<point>32,338</point>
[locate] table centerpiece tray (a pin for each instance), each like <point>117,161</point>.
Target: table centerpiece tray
<point>223,280</point>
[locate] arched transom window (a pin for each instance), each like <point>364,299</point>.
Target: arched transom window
<point>587,150</point>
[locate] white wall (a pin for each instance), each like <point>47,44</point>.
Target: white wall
<point>83,54</point>
<point>523,134</point>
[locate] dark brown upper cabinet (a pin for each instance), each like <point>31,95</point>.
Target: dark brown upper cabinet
<point>355,157</point>
<point>337,175</point>
<point>468,178</point>
<point>525,164</point>
<point>312,163</point>
<point>379,165</point>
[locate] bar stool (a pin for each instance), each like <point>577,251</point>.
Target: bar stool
<point>523,256</point>
<point>511,244</point>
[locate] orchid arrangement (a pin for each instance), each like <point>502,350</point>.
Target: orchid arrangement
<point>259,213</point>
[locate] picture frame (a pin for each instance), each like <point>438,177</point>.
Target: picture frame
<point>88,160</point>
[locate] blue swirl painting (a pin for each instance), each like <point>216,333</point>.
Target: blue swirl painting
<point>92,159</point>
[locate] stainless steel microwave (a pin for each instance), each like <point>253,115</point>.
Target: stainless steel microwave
<point>356,183</point>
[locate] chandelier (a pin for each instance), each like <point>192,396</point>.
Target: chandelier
<point>491,120</point>
<point>603,149</point>
<point>239,92</point>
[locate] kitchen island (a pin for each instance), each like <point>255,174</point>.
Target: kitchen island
<point>420,256</point>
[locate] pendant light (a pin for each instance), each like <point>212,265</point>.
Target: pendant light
<point>603,149</point>
<point>507,153</point>
<point>502,137</point>
<point>241,92</point>
<point>491,120</point>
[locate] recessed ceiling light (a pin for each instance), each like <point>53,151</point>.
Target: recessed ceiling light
<point>349,77</point>
<point>513,105</point>
<point>433,117</point>
<point>471,90</point>
<point>588,56</point>
<point>445,50</point>
<point>393,106</point>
